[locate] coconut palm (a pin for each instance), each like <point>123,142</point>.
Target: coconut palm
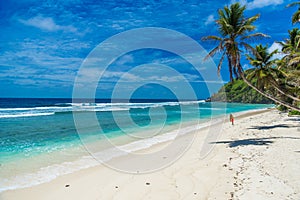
<point>264,67</point>
<point>235,30</point>
<point>292,44</point>
<point>291,61</point>
<point>296,15</point>
<point>279,101</point>
<point>291,47</point>
<point>266,72</point>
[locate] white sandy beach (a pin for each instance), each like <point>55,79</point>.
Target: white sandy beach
<point>257,158</point>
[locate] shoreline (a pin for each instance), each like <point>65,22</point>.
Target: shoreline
<point>216,156</point>
<point>86,161</point>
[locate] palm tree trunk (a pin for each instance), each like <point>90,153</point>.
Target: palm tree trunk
<point>266,95</point>
<point>285,94</point>
<point>230,74</point>
<point>230,68</point>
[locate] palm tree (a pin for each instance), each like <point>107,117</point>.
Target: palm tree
<point>266,72</point>
<point>290,63</point>
<point>291,47</point>
<point>296,15</point>
<point>235,30</point>
<point>292,44</point>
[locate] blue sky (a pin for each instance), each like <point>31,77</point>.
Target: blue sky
<point>43,43</point>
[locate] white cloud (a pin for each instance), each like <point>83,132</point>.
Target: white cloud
<point>125,60</point>
<point>258,3</point>
<point>210,19</point>
<point>275,46</point>
<point>46,24</point>
<point>242,2</point>
<point>263,3</point>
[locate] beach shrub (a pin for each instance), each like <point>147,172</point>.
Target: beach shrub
<point>294,112</point>
<point>239,92</point>
<point>282,108</point>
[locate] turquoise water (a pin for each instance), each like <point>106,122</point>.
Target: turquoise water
<point>31,130</point>
<point>25,132</point>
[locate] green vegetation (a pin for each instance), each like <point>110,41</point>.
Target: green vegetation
<point>235,30</point>
<point>239,92</point>
<point>296,15</point>
<point>294,112</point>
<point>275,79</point>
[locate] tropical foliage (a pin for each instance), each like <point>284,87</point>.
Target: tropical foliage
<point>235,31</point>
<point>268,75</point>
<point>291,47</point>
<point>239,92</point>
<point>296,15</point>
<point>276,79</point>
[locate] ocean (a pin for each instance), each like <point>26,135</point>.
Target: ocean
<point>39,139</point>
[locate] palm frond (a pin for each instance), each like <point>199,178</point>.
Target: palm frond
<point>251,75</point>
<point>249,48</point>
<point>293,4</point>
<point>296,17</point>
<point>255,36</point>
<point>252,19</point>
<point>295,60</point>
<point>220,63</point>
<point>278,72</point>
<point>268,57</point>
<point>214,51</point>
<point>211,37</point>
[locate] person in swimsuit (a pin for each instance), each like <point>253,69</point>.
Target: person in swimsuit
<point>231,118</point>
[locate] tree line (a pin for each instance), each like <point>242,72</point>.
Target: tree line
<point>276,79</point>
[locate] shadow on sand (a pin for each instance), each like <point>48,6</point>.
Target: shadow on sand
<point>272,127</point>
<point>252,141</point>
<point>295,119</point>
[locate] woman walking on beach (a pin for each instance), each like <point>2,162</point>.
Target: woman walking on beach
<point>231,118</point>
